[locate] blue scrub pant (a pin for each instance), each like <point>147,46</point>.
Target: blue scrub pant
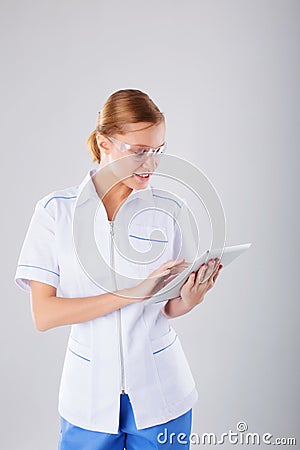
<point>163,436</point>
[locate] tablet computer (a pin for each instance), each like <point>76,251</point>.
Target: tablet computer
<point>172,289</point>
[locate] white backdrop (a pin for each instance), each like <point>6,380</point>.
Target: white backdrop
<point>226,75</point>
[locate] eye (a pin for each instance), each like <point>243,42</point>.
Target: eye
<point>140,151</point>
<point>160,150</point>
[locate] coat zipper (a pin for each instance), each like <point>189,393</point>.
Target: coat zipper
<point>111,223</point>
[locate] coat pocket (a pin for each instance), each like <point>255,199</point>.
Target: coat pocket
<point>173,369</point>
<point>75,386</point>
<point>81,350</point>
<point>150,246</point>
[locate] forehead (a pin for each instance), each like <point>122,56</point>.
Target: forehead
<point>143,133</point>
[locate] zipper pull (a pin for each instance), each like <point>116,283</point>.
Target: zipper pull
<point>111,227</point>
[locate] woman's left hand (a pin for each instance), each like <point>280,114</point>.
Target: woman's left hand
<point>197,285</point>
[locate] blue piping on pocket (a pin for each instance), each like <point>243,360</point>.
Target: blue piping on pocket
<point>147,239</point>
<point>79,355</point>
<point>160,350</point>
<point>167,198</point>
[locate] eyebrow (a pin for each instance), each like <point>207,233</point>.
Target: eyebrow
<point>144,145</point>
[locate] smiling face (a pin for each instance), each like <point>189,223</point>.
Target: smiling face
<point>127,168</point>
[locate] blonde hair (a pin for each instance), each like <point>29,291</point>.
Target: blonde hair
<point>121,108</point>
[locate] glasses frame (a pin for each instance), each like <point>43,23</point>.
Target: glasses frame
<point>156,151</point>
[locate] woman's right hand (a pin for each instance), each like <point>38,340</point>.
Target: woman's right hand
<point>157,279</point>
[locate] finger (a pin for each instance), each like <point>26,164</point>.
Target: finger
<point>214,277</point>
<point>178,265</point>
<point>158,274</point>
<point>217,274</point>
<point>164,269</point>
<point>165,272</point>
<point>173,262</point>
<point>167,281</point>
<point>209,270</point>
<point>179,268</point>
<point>217,263</point>
<point>201,273</point>
<point>182,264</point>
<point>191,279</point>
<point>216,268</point>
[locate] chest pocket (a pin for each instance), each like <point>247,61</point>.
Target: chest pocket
<point>150,246</point>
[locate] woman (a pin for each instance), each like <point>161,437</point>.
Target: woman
<point>126,382</point>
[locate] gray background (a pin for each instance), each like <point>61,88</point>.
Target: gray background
<point>226,74</point>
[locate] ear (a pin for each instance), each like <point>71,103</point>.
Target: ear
<point>102,142</point>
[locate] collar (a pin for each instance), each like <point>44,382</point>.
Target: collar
<point>87,191</point>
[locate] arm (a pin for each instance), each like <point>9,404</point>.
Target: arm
<point>50,311</point>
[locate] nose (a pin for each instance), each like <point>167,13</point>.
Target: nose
<point>150,163</point>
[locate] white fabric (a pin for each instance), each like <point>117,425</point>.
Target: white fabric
<point>158,379</point>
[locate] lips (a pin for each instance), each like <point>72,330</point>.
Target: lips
<point>142,178</point>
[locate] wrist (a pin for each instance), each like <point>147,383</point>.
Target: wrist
<point>133,294</point>
<point>189,304</point>
<point>123,297</point>
<point>186,304</point>
<point>176,307</point>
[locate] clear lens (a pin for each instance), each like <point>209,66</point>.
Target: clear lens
<point>142,153</point>
<point>139,153</point>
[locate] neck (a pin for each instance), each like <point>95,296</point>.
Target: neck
<point>109,188</point>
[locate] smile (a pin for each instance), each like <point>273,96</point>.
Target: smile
<point>142,176</point>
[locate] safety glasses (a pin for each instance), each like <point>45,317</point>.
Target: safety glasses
<point>139,152</point>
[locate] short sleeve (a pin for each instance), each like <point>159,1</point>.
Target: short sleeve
<point>38,258</point>
<point>186,235</point>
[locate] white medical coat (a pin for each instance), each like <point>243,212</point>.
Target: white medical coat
<point>134,348</point>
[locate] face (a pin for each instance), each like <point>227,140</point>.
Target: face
<point>127,167</point>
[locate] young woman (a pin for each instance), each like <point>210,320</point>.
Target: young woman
<point>126,382</point>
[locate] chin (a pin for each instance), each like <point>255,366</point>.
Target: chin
<point>133,183</point>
